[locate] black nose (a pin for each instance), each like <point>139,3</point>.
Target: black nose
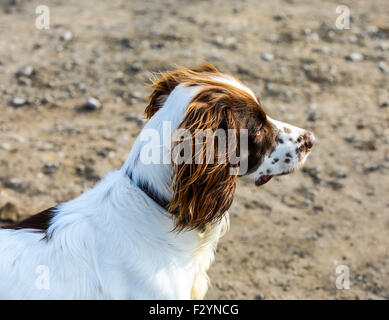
<point>309,139</point>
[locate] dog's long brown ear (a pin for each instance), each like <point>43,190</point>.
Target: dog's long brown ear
<point>167,81</point>
<point>204,186</point>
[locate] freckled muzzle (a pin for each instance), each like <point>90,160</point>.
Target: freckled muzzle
<point>309,140</point>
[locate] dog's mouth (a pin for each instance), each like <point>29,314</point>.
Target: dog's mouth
<point>262,180</point>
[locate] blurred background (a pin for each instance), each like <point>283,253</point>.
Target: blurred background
<point>72,99</point>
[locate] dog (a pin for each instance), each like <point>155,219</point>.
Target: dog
<point>150,229</point>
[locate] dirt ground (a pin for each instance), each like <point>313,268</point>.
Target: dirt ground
<point>287,237</point>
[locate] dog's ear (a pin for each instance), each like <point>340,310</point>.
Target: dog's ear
<point>204,184</point>
<point>167,81</point>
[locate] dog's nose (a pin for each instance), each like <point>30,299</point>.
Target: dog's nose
<point>309,139</point>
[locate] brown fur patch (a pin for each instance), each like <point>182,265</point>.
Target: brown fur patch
<point>39,222</point>
<point>287,130</point>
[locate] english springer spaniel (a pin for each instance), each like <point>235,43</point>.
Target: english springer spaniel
<point>150,229</point>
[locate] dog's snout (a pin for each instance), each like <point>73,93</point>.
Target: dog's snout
<point>309,139</point>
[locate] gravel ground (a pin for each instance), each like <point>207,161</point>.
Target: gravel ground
<point>72,100</point>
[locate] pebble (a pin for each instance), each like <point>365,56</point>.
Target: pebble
<point>5,146</point>
<point>18,101</point>
<point>267,57</point>
<point>339,173</point>
<point>134,68</point>
<point>313,116</point>
<point>335,185</point>
<point>26,71</point>
<point>92,104</point>
<point>354,57</point>
<point>47,99</point>
<point>24,81</point>
<point>15,184</point>
<point>229,43</point>
<point>259,296</point>
<point>9,213</point>
<point>273,89</point>
<point>382,66</point>
<point>67,36</point>
<point>50,168</point>
<point>383,46</point>
<point>370,167</point>
<point>126,43</point>
<point>88,172</point>
<point>314,37</point>
<point>135,118</point>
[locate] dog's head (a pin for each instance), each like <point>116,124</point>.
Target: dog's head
<point>229,135</point>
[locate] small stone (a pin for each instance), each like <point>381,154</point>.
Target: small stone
<point>15,184</point>
<point>259,296</point>
<point>383,46</point>
<point>318,209</point>
<point>24,81</point>
<point>230,43</point>
<point>134,68</point>
<point>67,36</point>
<point>273,89</point>
<point>370,167</point>
<point>354,57</point>
<point>126,43</point>
<point>383,67</point>
<point>314,37</point>
<point>26,71</point>
<point>50,168</point>
<point>384,104</point>
<point>47,99</point>
<point>18,101</point>
<point>267,57</point>
<point>335,185</point>
<point>313,116</point>
<point>339,173</point>
<point>135,118</point>
<point>87,172</point>
<point>9,213</point>
<point>92,104</point>
<point>323,49</point>
<point>5,146</point>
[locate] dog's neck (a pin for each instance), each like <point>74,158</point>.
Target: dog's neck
<point>148,164</point>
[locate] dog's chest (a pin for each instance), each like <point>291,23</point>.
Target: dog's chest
<point>203,257</point>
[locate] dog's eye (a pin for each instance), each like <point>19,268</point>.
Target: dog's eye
<point>259,131</point>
